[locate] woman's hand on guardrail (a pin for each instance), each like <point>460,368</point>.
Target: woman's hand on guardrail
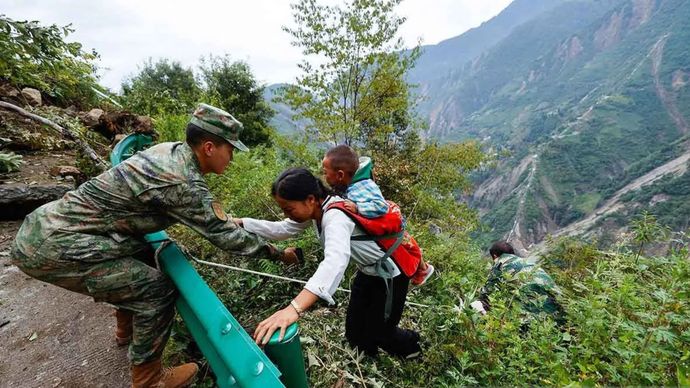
<point>281,319</point>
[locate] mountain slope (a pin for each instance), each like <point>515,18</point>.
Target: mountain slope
<point>501,71</point>
<point>605,106</point>
<point>451,53</point>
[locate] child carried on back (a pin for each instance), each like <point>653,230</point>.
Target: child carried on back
<point>364,196</point>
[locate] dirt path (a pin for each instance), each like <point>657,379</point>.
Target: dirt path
<point>50,337</point>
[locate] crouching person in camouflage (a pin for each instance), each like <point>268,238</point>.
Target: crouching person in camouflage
<point>91,241</point>
<point>537,293</point>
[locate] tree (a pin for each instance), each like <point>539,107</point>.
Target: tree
<point>163,87</point>
<point>233,87</point>
<point>354,92</point>
<point>354,88</point>
<point>38,56</point>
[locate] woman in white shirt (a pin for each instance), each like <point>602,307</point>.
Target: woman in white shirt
<point>305,201</point>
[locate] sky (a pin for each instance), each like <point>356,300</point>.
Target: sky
<point>126,33</point>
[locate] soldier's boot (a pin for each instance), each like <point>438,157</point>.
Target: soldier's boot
<point>123,330</point>
<point>151,374</point>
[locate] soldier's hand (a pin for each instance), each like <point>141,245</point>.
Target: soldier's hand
<point>290,255</point>
<point>351,206</point>
<point>238,221</point>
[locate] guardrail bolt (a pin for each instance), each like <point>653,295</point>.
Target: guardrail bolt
<point>258,368</point>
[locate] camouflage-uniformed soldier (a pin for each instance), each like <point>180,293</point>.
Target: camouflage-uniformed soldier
<point>91,240</point>
<point>537,293</point>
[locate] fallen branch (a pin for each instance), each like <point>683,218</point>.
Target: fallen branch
<point>86,148</point>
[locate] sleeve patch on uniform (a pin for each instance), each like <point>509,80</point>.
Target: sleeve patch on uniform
<point>218,211</point>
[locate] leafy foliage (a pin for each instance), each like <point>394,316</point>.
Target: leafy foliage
<point>668,199</point>
<point>38,56</point>
<point>628,318</point>
<point>168,92</point>
<point>9,162</point>
<point>354,89</point>
<point>162,87</point>
<point>646,230</point>
<point>235,89</point>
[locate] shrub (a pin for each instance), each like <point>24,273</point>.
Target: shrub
<point>38,56</point>
<point>9,162</point>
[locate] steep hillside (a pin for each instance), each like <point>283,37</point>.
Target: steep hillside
<point>498,74</point>
<point>449,54</point>
<point>603,107</point>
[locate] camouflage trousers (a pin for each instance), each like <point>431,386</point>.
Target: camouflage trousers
<point>535,301</point>
<point>119,273</point>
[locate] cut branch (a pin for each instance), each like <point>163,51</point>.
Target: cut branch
<point>86,148</point>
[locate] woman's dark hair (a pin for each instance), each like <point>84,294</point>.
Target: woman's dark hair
<point>196,136</point>
<point>297,184</point>
<point>501,247</point>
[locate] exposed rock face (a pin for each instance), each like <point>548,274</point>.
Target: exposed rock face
<point>500,187</point>
<point>659,198</point>
<point>619,24</point>
<point>446,118</point>
<point>610,33</point>
<point>575,47</point>
<point>32,96</point>
<point>64,171</point>
<point>570,49</point>
<point>111,124</point>
<point>7,90</point>
<point>642,11</point>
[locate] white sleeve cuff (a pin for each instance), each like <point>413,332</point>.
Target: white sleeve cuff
<point>320,292</point>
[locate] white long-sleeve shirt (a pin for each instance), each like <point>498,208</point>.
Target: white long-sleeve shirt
<point>336,231</point>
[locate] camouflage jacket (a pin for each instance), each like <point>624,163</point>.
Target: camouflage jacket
<point>148,192</point>
<point>536,291</point>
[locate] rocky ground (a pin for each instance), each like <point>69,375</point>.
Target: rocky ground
<point>52,337</point>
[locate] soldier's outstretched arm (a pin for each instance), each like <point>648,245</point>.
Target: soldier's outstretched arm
<point>193,205</point>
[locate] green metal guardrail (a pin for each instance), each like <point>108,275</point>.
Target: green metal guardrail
<point>230,351</point>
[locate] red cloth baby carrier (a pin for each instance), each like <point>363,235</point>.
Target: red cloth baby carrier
<point>388,231</point>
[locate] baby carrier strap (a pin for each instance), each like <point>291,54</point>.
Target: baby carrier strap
<point>373,229</point>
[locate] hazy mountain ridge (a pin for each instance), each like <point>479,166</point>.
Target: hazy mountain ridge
<point>448,54</point>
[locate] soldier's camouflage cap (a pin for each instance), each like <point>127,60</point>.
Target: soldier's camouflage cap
<point>220,123</point>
